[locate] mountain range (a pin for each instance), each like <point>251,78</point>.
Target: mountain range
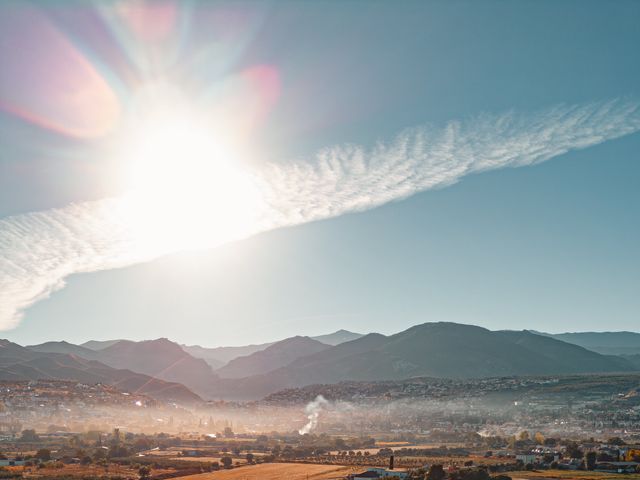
<point>271,358</point>
<point>433,350</point>
<point>20,363</point>
<point>253,371</point>
<point>220,356</point>
<point>608,343</point>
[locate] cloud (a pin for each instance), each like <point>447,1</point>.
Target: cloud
<point>39,250</point>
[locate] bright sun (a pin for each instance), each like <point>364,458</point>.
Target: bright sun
<point>187,187</point>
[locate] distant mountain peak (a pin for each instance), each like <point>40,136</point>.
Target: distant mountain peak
<point>338,337</point>
<point>275,356</point>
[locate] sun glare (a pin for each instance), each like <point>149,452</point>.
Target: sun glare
<point>187,188</point>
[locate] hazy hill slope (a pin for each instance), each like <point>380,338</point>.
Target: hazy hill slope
<point>202,352</point>
<point>99,344</point>
<point>20,363</point>
<point>64,347</point>
<point>219,356</point>
<point>455,350</point>
<point>433,350</point>
<point>569,357</point>
<point>275,356</point>
<point>315,368</point>
<point>338,337</point>
<point>634,359</point>
<point>608,343</point>
<point>159,358</point>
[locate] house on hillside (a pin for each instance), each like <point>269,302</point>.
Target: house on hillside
<point>569,464</point>
<point>527,458</point>
<point>378,473</point>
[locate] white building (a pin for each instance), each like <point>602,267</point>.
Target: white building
<point>376,472</point>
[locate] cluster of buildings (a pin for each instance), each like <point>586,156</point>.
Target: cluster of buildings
<point>64,406</point>
<point>439,389</point>
<point>606,458</point>
<point>376,472</point>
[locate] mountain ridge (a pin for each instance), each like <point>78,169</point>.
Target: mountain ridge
<point>608,343</point>
<point>432,349</point>
<point>21,363</point>
<point>440,350</point>
<point>271,358</point>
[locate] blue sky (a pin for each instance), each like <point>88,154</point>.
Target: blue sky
<point>548,247</point>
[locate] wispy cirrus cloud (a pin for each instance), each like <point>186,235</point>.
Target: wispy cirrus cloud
<point>39,250</point>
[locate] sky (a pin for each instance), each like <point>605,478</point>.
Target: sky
<point>232,173</point>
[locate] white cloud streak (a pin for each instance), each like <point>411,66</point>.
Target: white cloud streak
<point>39,250</point>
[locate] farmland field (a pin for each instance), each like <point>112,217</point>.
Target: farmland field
<point>208,459</point>
<point>572,475</point>
<point>277,471</point>
<point>83,471</point>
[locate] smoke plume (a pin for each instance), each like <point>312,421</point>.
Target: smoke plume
<point>313,410</point>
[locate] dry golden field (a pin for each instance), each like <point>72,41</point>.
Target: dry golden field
<point>208,459</point>
<point>392,444</point>
<point>278,471</point>
<point>81,471</point>
<point>572,475</point>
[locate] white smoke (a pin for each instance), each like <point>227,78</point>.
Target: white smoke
<point>38,251</point>
<point>313,410</point>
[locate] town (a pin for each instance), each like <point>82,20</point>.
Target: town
<point>422,428</point>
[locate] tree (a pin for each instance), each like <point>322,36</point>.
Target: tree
<point>43,454</point>
<point>340,444</point>
<point>524,436</point>
<point>590,460</point>
<point>99,454</point>
<point>573,450</point>
<point>116,436</point>
<point>117,451</point>
<point>142,443</point>
<point>29,435</point>
<point>436,472</point>
<point>228,432</point>
<point>144,471</point>
<point>539,438</point>
<point>616,441</point>
<point>605,457</point>
<point>226,461</point>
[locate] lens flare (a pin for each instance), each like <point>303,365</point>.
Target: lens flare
<point>185,174</point>
<point>53,85</point>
